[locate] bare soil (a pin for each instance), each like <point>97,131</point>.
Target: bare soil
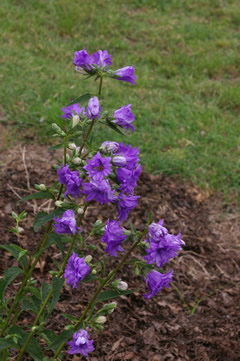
<point>162,328</point>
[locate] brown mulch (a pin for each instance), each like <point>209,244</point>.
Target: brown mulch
<point>162,328</point>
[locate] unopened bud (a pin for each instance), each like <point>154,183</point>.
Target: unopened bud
<point>72,146</point>
<point>122,286</point>
<point>100,320</point>
<point>42,187</point>
<point>77,161</point>
<point>20,230</point>
<point>67,157</point>
<point>75,120</point>
<point>80,210</point>
<point>88,258</point>
<point>59,203</point>
<point>119,161</point>
<point>94,272</point>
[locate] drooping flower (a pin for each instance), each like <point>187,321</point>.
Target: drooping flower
<point>130,153</point>
<point>71,180</point>
<point>162,245</point>
<point>125,204</point>
<point>76,270</point>
<point>98,166</point>
<point>113,236</point>
<point>109,146</point>
<point>72,110</point>
<point>66,223</point>
<point>128,178</point>
<point>81,343</point>
<point>126,74</point>
<point>100,190</point>
<point>124,117</point>
<point>156,281</point>
<point>93,109</point>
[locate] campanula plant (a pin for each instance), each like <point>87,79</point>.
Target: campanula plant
<point>105,175</point>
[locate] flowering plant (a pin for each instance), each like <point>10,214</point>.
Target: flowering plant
<point>107,175</point>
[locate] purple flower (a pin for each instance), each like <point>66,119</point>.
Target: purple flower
<point>100,190</point>
<point>131,155</point>
<point>126,74</point>
<point>98,166</point>
<point>156,281</point>
<point>76,270</point>
<point>71,180</point>
<point>81,343</point>
<point>162,245</point>
<point>72,110</point>
<point>113,236</point>
<point>109,146</point>
<point>128,178</point>
<point>124,117</point>
<point>66,223</point>
<point>82,59</point>
<point>125,204</point>
<point>101,58</point>
<point>93,108</point>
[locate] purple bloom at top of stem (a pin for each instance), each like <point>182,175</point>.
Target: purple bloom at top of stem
<point>130,153</point>
<point>81,343</point>
<point>98,166</point>
<point>156,281</point>
<point>72,110</point>
<point>113,236</point>
<point>126,74</point>
<point>66,223</point>
<point>76,270</point>
<point>162,245</point>
<point>128,178</point>
<point>93,109</point>
<point>100,190</point>
<point>87,62</point>
<point>109,146</point>
<point>125,204</point>
<point>124,117</point>
<point>71,180</point>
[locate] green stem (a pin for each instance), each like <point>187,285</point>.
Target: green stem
<point>93,299</point>
<point>100,86</point>
<point>59,274</point>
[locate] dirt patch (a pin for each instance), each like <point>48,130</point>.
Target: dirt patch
<point>206,272</point>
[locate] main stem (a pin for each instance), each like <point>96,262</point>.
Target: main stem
<point>93,299</point>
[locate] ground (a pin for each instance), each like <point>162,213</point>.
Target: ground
<point>169,326</point>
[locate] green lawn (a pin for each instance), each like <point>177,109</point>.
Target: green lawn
<point>186,57</point>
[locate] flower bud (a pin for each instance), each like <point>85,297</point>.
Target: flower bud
<point>100,320</point>
<point>80,210</point>
<point>42,187</point>
<point>67,157</point>
<point>88,258</point>
<point>59,203</point>
<point>109,146</point>
<point>77,161</point>
<point>72,146</point>
<point>122,286</point>
<point>94,272</point>
<point>20,229</point>
<point>119,161</point>
<point>75,120</point>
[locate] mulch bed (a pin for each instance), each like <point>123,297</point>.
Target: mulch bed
<point>162,328</point>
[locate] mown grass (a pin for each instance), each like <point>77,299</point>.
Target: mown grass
<point>186,56</point>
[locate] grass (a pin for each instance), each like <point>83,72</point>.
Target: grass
<point>186,57</point>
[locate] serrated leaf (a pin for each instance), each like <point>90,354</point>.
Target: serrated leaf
<point>69,317</point>
<point>82,99</point>
<point>8,276</point>
<point>49,336</point>
<point>57,285</point>
<point>108,294</point>
<point>90,278</point>
<point>43,217</point>
<point>57,146</point>
<point>45,289</point>
<point>39,195</point>
<point>28,305</point>
<point>13,249</point>
<point>5,343</point>
<point>34,350</point>
<point>33,290</point>
<point>113,126</point>
<point>63,337</point>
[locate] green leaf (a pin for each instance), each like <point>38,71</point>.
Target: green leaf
<point>107,295</point>
<point>5,343</point>
<point>69,317</point>
<point>57,146</point>
<point>28,305</point>
<point>13,249</point>
<point>33,290</point>
<point>82,99</point>
<point>49,336</point>
<point>8,276</point>
<point>43,217</point>
<point>45,289</point>
<point>90,278</point>
<point>57,285</point>
<point>39,195</point>
<point>149,218</point>
<point>113,126</point>
<point>63,337</point>
<point>34,350</point>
